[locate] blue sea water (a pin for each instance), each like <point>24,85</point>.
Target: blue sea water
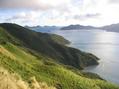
<point>103,44</point>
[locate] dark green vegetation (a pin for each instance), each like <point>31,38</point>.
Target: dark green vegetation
<point>59,39</point>
<point>29,53</point>
<point>49,46</point>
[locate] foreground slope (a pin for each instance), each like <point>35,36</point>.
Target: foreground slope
<point>18,60</point>
<point>45,44</point>
<point>14,81</point>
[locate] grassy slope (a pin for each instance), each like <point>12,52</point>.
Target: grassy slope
<point>14,81</point>
<point>49,46</point>
<point>17,60</point>
<point>59,39</point>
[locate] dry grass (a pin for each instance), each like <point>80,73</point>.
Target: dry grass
<point>36,85</point>
<point>5,52</point>
<point>13,81</point>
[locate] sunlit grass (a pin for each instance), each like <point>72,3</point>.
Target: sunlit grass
<point>27,65</point>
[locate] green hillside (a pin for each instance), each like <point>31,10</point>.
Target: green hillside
<point>23,59</point>
<point>44,44</point>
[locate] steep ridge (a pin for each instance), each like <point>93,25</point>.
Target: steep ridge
<point>43,43</point>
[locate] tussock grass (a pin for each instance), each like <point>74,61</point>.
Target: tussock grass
<point>9,81</point>
<point>13,81</point>
<point>5,52</point>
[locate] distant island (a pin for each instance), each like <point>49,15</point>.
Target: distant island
<point>112,27</point>
<point>77,27</point>
<point>43,28</point>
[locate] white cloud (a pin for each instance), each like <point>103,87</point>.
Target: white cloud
<point>114,1</point>
<point>32,4</point>
<point>62,12</point>
<point>29,18</point>
<point>86,16</point>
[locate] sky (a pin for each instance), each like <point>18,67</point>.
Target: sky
<point>59,12</point>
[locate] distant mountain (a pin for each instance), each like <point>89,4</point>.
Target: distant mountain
<point>43,28</point>
<point>77,27</point>
<point>112,28</point>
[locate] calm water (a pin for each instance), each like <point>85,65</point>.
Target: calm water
<point>104,45</point>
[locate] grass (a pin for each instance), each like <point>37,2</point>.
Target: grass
<point>14,81</point>
<point>19,61</point>
<point>59,39</point>
<point>49,45</point>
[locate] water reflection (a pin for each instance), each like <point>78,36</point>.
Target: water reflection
<point>103,44</point>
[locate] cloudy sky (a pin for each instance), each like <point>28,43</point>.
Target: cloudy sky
<point>60,12</point>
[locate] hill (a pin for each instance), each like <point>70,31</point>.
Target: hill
<point>44,44</point>
<point>18,60</point>
<point>34,67</point>
<point>112,28</point>
<point>77,27</point>
<point>43,28</point>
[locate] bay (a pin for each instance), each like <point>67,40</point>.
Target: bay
<point>105,45</point>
